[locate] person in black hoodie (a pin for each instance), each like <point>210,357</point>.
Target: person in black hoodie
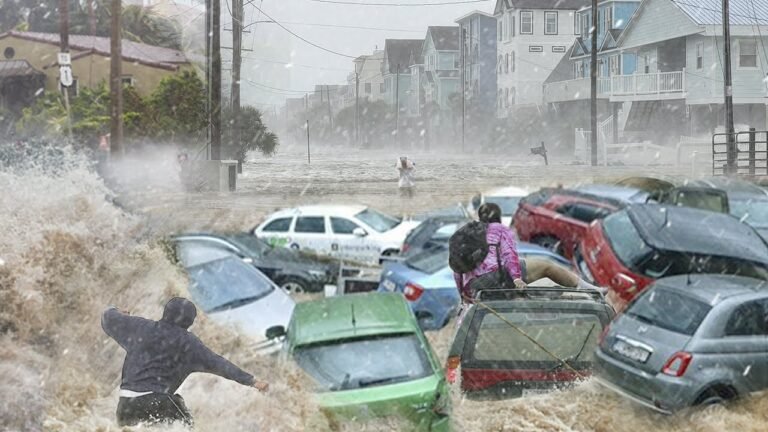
<point>159,357</point>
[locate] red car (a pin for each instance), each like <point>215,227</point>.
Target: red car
<point>558,218</point>
<point>630,249</point>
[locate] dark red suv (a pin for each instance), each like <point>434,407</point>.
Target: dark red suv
<point>630,249</point>
<point>558,218</point>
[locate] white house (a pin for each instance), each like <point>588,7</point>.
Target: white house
<point>371,80</point>
<point>532,37</point>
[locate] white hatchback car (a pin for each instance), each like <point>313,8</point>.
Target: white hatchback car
<point>507,198</point>
<point>347,232</point>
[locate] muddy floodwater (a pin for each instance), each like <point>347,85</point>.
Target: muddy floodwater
<point>72,246</point>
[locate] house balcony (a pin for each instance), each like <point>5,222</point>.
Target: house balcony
<point>621,88</point>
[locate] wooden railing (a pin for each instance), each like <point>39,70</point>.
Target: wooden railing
<point>619,85</point>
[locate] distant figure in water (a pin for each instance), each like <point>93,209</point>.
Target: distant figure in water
<point>406,167</point>
<point>160,356</point>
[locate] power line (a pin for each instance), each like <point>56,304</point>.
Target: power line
<point>303,39</point>
<point>343,26</point>
<point>292,64</point>
<point>343,2</point>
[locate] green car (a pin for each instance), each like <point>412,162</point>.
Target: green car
<point>369,359</point>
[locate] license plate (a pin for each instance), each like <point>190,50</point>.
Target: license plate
<point>535,392</point>
<point>631,352</point>
<point>389,285</point>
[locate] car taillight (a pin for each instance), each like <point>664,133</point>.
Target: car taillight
<point>677,364</point>
<point>412,292</point>
<point>602,334</point>
<point>451,368</point>
<point>405,248</point>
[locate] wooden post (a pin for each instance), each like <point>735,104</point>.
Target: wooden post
<point>237,38</point>
<point>216,80</point>
<point>397,107</point>
<point>752,151</point>
<point>64,43</point>
<point>309,160</point>
<point>731,167</point>
<point>593,84</point>
<point>116,82</point>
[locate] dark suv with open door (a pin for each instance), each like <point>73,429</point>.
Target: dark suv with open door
<point>514,343</point>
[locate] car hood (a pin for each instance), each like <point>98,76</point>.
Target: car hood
<point>400,272</point>
<point>399,232</point>
<point>255,318</point>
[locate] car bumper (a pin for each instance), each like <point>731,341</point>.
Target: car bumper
<point>435,308</point>
<point>659,392</point>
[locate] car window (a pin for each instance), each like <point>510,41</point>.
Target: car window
<point>508,205</point>
<point>192,253</point>
<point>625,241</point>
<point>429,261</point>
<point>748,319</point>
<point>445,232</point>
<point>376,220</point>
<point>360,363</point>
<point>310,224</point>
<point>567,334</point>
<point>278,225</point>
<point>584,212</point>
<point>343,226</point>
<point>753,212</point>
<point>226,283</point>
<point>669,310</point>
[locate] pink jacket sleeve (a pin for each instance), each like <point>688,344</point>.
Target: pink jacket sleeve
<point>509,254</point>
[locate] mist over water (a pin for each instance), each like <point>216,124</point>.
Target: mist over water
<point>67,252</point>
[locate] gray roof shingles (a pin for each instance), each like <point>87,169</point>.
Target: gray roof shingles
<point>401,51</point>
<point>445,38</point>
<point>16,68</point>
<point>709,12</point>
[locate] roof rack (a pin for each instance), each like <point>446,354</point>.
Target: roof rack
<point>532,292</point>
<point>586,195</point>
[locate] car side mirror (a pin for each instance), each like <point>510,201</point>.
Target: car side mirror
<point>359,232</point>
<point>275,332</point>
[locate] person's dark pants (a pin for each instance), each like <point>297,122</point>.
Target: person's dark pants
<point>152,408</point>
<point>499,279</point>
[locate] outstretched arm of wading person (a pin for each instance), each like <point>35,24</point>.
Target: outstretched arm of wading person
<point>208,361</point>
<point>120,326</point>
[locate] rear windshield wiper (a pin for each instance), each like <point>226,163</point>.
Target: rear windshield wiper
<point>575,357</point>
<point>375,381</point>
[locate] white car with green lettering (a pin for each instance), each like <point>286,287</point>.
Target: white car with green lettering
<point>348,232</point>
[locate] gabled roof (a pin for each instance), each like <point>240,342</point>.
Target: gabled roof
<point>502,5</point>
<point>472,14</point>
<point>17,68</point>
<point>563,70</point>
<point>611,39</point>
<point>445,38</point>
<point>579,48</point>
<point>133,51</point>
<point>710,12</point>
<point>400,51</point>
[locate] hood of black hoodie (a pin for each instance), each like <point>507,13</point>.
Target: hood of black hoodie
<point>179,312</point>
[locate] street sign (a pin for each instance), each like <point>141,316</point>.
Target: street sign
<point>65,76</point>
<point>64,59</point>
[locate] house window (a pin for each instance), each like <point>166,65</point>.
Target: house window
<point>558,49</point>
<point>526,22</point>
<point>615,65</point>
<point>9,53</point>
<point>699,56</point>
<point>382,88</point>
<point>535,48</point>
<point>513,62</point>
<point>747,54</point>
<point>550,23</point>
<point>500,30</point>
<point>512,96</point>
<point>128,81</point>
<point>511,25</point>
<point>608,18</point>
<point>506,98</point>
<point>506,62</point>
<point>504,34</point>
<point>367,88</point>
<point>647,63</point>
<point>577,23</point>
<point>501,64</point>
<point>499,100</point>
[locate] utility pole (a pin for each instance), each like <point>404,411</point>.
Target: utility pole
<point>593,83</point>
<point>330,110</point>
<point>357,109</point>
<point>116,82</point>
<point>237,41</point>
<point>397,107</point>
<point>731,166</point>
<point>208,25</point>
<point>215,79</point>
<point>91,18</point>
<point>463,85</point>
<point>309,160</point>
<point>65,70</point>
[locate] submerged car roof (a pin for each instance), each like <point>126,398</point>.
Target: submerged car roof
<point>351,316</point>
<point>712,288</point>
<point>622,193</point>
<point>689,230</point>
<point>735,188</point>
<point>320,210</point>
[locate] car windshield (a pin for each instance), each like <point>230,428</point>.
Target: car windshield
<point>508,204</point>
<point>360,363</point>
<point>376,220</point>
<point>753,212</point>
<point>252,244</point>
<point>568,334</point>
<point>429,262</point>
<point>669,310</point>
<point>625,241</point>
<point>227,283</point>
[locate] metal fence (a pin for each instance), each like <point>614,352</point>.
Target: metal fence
<point>750,153</point>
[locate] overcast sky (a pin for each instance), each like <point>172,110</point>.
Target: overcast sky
<point>272,45</point>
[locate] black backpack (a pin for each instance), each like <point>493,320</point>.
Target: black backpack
<point>468,247</point>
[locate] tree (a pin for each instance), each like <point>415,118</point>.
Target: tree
<point>375,123</point>
<point>11,15</point>
<point>254,135</point>
<point>142,25</point>
<point>178,107</point>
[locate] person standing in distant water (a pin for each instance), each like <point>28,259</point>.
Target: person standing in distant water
<point>406,167</point>
<point>159,357</point>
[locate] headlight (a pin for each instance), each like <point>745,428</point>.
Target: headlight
<point>320,274</point>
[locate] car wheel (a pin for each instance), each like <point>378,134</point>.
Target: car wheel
<point>294,285</point>
<point>549,242</point>
<point>716,395</point>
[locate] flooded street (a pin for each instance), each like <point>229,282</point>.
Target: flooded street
<point>68,252</point>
